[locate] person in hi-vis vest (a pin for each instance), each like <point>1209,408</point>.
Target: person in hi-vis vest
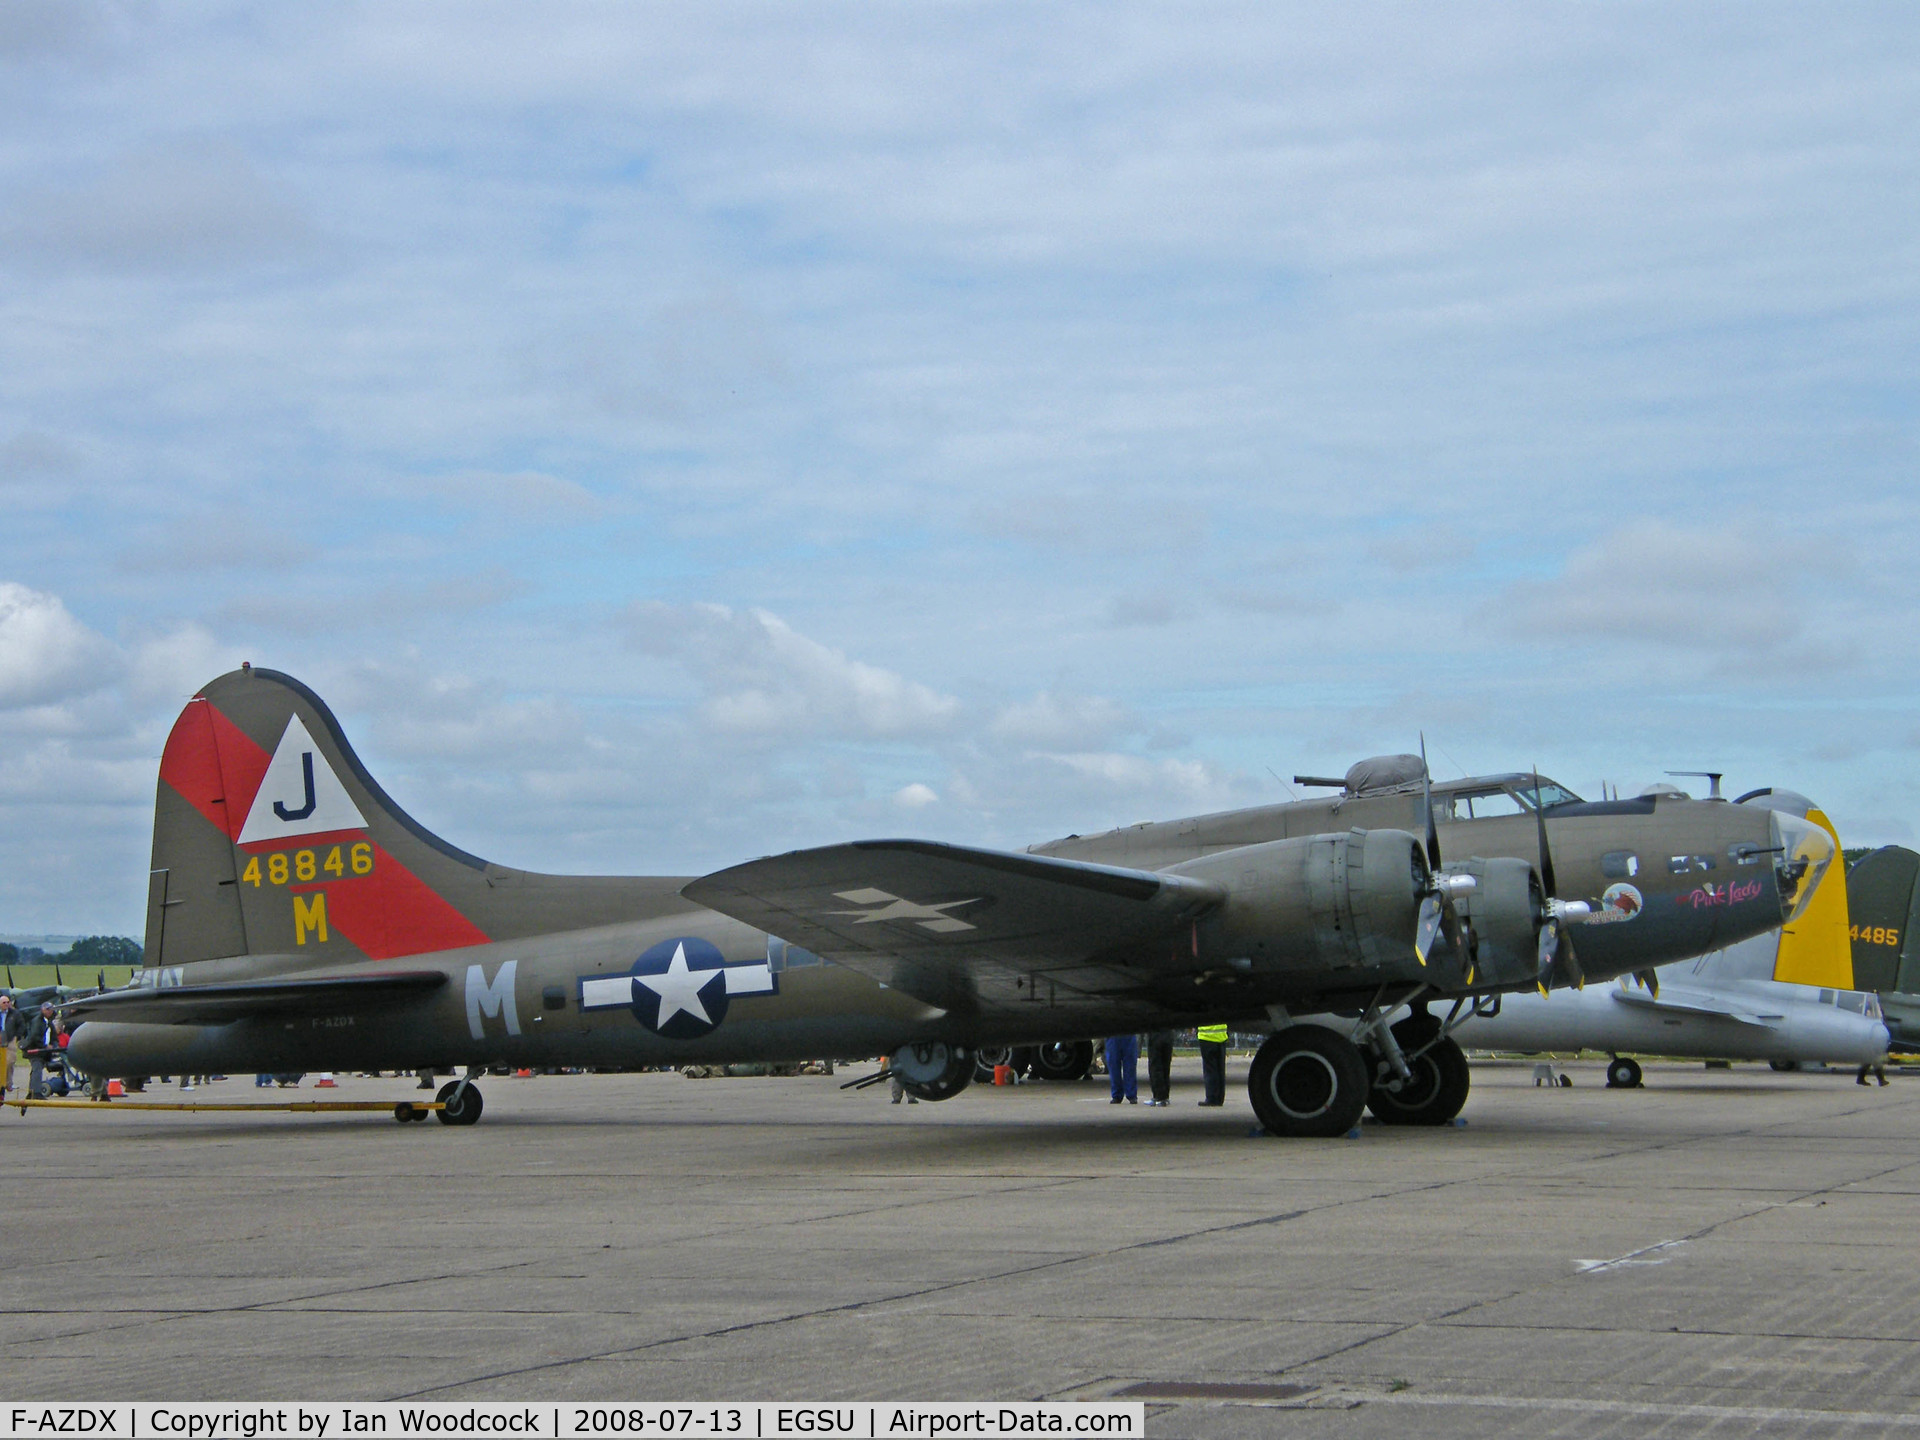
<point>1213,1062</point>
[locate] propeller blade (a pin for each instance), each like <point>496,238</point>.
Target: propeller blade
<point>1426,804</point>
<point>1573,960</point>
<point>1549,944</point>
<point>1429,926</point>
<point>1650,979</point>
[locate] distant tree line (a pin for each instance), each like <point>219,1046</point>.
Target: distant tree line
<point>93,950</point>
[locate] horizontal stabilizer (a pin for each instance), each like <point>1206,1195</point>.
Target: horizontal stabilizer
<point>946,922</point>
<point>254,999</point>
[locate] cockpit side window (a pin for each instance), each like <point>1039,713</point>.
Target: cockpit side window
<point>1487,805</point>
<point>1619,864</point>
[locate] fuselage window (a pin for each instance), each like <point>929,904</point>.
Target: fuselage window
<point>1619,864</point>
<point>1681,864</point>
<point>1486,807</point>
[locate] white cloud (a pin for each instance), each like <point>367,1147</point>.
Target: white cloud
<point>167,669</point>
<point>764,677</point>
<point>915,796</point>
<point>521,494</point>
<point>1732,596</point>
<point>221,540</point>
<point>45,653</point>
<point>1052,719</point>
<point>182,206</point>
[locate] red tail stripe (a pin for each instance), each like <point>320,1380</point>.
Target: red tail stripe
<point>216,767</point>
<point>191,765</point>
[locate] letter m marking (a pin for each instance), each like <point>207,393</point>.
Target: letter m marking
<point>310,913</point>
<point>491,1000</point>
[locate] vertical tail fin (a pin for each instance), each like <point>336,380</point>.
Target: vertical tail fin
<point>1880,901</point>
<point>270,838</point>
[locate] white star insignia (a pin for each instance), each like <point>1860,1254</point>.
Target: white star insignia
<point>679,989</point>
<point>892,907</point>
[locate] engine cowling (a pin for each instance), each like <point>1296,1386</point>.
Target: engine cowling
<point>1504,911</point>
<point>1327,902</point>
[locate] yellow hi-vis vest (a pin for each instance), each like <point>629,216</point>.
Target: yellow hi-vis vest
<point>1216,1033</point>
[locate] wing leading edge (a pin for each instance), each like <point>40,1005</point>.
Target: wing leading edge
<point>960,927</point>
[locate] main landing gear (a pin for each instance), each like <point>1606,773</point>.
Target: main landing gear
<point>1308,1080</point>
<point>1434,1088</point>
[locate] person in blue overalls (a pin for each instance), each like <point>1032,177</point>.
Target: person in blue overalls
<point>1123,1068</point>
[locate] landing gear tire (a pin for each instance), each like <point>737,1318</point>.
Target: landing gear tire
<point>463,1104</point>
<point>933,1069</point>
<point>1308,1081</point>
<point>1063,1060</point>
<point>1623,1074</point>
<point>1436,1092</point>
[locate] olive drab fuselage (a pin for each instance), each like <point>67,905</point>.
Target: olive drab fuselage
<point>288,888</point>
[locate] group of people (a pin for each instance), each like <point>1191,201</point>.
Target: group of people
<point>40,1037</point>
<point>1123,1065</point>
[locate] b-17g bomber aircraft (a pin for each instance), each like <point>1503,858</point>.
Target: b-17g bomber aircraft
<point>299,920</point>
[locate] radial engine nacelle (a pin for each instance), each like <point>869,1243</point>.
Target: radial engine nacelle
<point>1351,903</point>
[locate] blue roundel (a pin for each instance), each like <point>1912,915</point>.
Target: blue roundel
<point>680,989</point>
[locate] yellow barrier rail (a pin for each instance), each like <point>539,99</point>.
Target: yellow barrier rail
<point>401,1109</point>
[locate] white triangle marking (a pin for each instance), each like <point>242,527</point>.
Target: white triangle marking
<point>303,809</point>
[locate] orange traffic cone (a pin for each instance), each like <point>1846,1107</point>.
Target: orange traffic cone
<point>523,1074</point>
<point>114,1087</point>
<point>325,1082</point>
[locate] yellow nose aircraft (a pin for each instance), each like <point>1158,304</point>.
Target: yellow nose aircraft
<point>299,919</point>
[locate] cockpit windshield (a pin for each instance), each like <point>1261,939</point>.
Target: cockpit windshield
<point>1495,800</point>
<point>1547,796</point>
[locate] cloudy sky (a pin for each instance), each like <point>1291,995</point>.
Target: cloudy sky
<point>672,434</point>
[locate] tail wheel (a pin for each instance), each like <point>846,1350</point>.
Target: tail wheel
<point>1308,1081</point>
<point>1435,1093</point>
<point>1063,1060</point>
<point>463,1104</point>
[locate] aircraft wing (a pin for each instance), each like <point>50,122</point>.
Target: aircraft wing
<point>219,1004</point>
<point>959,927</point>
<point>1695,1005</point>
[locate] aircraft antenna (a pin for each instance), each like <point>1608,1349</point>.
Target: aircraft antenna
<point>1283,784</point>
<point>1712,777</point>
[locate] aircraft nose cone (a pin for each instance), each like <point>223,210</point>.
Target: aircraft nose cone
<point>1803,850</point>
